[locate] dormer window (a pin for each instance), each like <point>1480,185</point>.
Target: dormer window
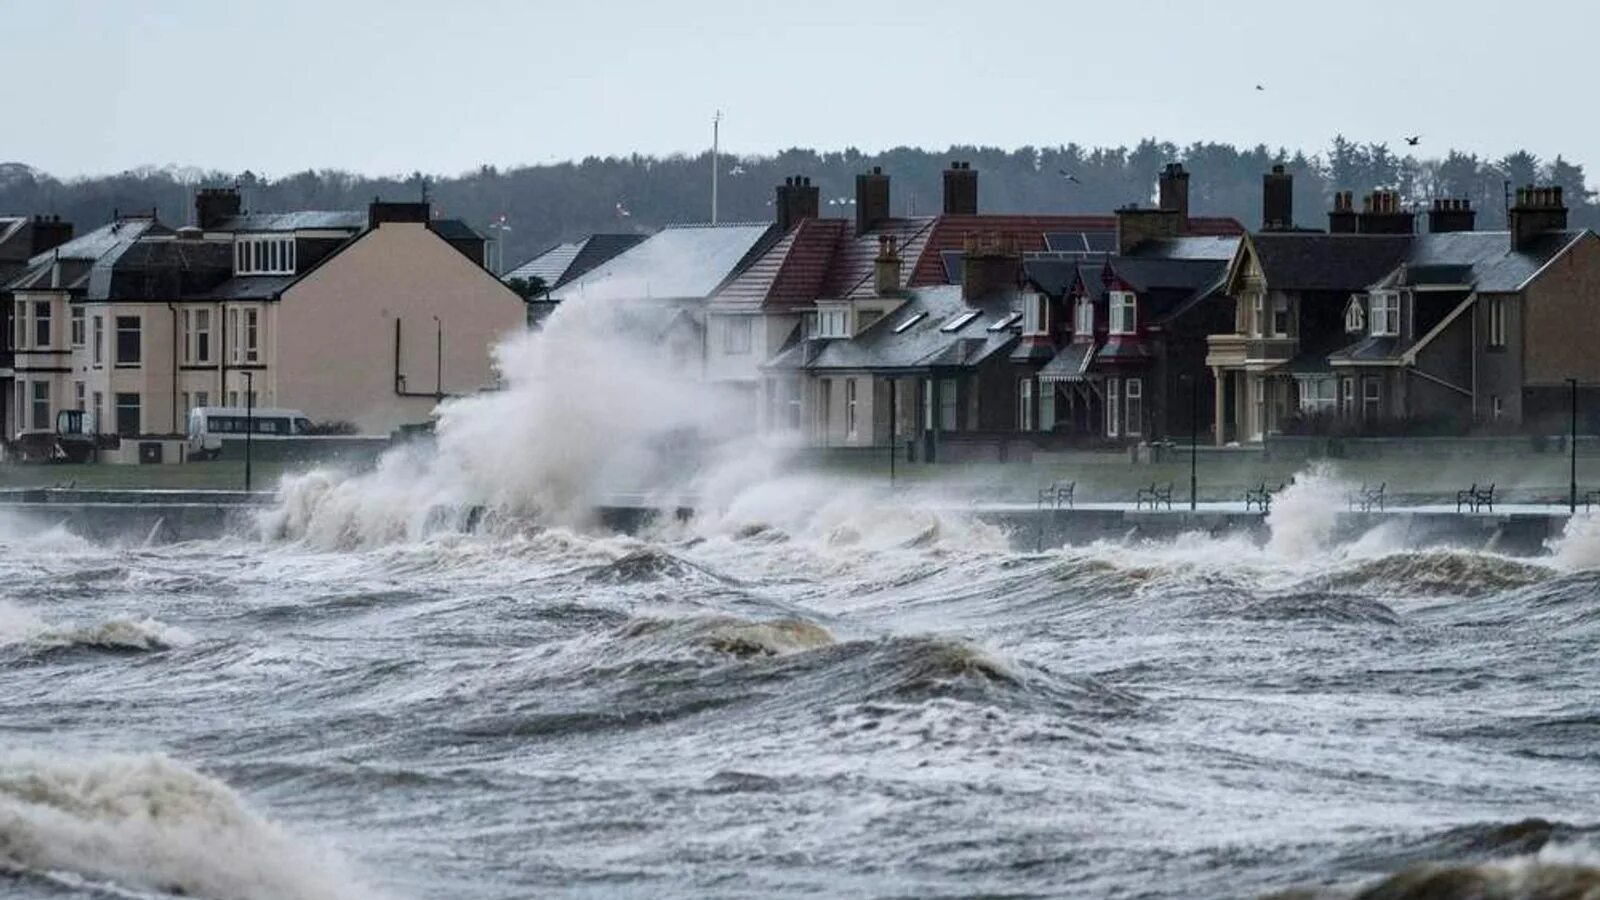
<point>1123,319</point>
<point>1035,314</point>
<point>263,255</point>
<point>1355,317</point>
<point>833,323</point>
<point>1085,320</point>
<point>1385,320</point>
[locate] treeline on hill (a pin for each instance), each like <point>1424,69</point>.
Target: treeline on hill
<point>549,203</point>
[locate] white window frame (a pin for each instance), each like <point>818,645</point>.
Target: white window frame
<point>1084,320</point>
<point>737,335</point>
<point>47,320</point>
<point>1355,317</point>
<point>252,335</point>
<point>949,405</point>
<point>1496,409</point>
<point>1035,316</point>
<point>78,325</point>
<point>79,394</point>
<point>1497,321</point>
<point>1124,315</point>
<point>1025,404</point>
<point>99,341</point>
<point>1047,406</point>
<point>1133,396</point>
<point>1371,398</point>
<point>20,332</point>
<point>850,407</point>
<point>1258,302</point>
<point>264,254</point>
<point>1384,318</point>
<point>1113,407</point>
<point>39,399</point>
<point>1280,305</point>
<point>833,322</point>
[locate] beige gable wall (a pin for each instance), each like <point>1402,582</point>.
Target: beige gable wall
<point>332,342</point>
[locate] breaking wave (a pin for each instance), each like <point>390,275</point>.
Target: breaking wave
<point>148,823</point>
<point>1578,546</point>
<point>21,628</point>
<point>1429,572</point>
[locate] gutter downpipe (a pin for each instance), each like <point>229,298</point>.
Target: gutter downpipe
<point>175,356</point>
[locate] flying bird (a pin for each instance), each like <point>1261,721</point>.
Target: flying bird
<point>622,210</point>
<point>1260,88</point>
<point>1068,176</point>
<point>736,171</point>
<point>1413,140</point>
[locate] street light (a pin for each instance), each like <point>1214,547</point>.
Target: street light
<point>249,422</point>
<point>1194,440</point>
<point>1572,448</point>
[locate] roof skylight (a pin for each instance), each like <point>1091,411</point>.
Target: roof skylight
<point>1006,322</point>
<point>901,328</point>
<point>959,321</point>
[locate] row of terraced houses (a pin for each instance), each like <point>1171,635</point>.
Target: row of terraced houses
<point>970,335</point>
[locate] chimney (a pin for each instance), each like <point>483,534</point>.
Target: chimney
<point>379,212</point>
<point>1382,213</point>
<point>1451,215</point>
<point>990,265</point>
<point>1342,219</point>
<point>1536,211</point>
<point>214,205</point>
<point>886,268</point>
<point>49,232</point>
<point>1277,200</point>
<point>872,199</point>
<point>1174,193</point>
<point>797,199</point>
<point>1135,226</point>
<point>960,190</point>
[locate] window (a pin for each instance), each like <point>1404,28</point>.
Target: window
<point>1035,316</point>
<point>1497,321</point>
<point>264,255</point>
<point>1025,404</point>
<point>1113,406</point>
<point>1135,397</point>
<point>850,407</point>
<point>41,406</point>
<point>127,414</point>
<point>1317,395</point>
<point>99,340</point>
<point>1085,324</point>
<point>1047,407</point>
<point>833,323</point>
<point>78,396</point>
<point>129,346</point>
<point>77,326</point>
<point>947,404</point>
<point>1258,320</point>
<point>1280,316</point>
<point>824,407</point>
<point>41,324</point>
<point>959,322</point>
<point>1371,398</point>
<point>187,406</point>
<point>1355,318</point>
<point>1122,312</point>
<point>196,336</point>
<point>99,407</point>
<point>1385,314</point>
<point>252,345</point>
<point>1494,407</point>
<point>1348,391</point>
<point>202,398</point>
<point>927,405</point>
<point>20,328</point>
<point>792,394</point>
<point>233,334</point>
<point>903,326</point>
<point>736,331</point>
<point>233,399</point>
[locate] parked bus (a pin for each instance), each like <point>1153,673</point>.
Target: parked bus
<point>209,426</point>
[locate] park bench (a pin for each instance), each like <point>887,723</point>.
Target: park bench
<point>1368,497</point>
<point>1057,495</point>
<point>1591,499</point>
<point>1475,498</point>
<point>1260,497</point>
<point>1154,495</point>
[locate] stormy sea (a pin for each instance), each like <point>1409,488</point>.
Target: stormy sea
<point>809,691</point>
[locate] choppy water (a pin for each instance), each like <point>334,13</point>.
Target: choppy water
<point>884,703</point>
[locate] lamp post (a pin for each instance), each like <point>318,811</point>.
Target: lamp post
<point>716,160</point>
<point>1194,440</point>
<point>1572,448</point>
<point>893,383</point>
<point>249,422</point>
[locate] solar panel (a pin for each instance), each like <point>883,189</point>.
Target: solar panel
<point>959,321</point>
<point>1101,241</point>
<point>1066,241</point>
<point>898,329</point>
<point>952,265</point>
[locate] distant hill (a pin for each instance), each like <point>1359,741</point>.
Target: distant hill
<point>550,203</point>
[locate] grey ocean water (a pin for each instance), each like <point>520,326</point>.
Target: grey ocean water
<point>870,701</point>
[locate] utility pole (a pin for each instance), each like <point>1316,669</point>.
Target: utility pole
<point>1572,448</point>
<point>1194,442</point>
<point>249,422</point>
<point>716,160</point>
<point>893,385</point>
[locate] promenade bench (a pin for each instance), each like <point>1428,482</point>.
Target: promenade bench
<point>1476,498</point>
<point>1592,498</point>
<point>1260,497</point>
<point>1155,495</point>
<point>1368,497</point>
<point>1057,495</point>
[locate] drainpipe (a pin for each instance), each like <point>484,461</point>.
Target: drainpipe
<point>175,356</point>
<point>222,361</point>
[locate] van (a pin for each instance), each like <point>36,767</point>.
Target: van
<point>209,426</point>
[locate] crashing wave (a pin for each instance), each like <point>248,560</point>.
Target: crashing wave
<point>1431,572</point>
<point>19,627</point>
<point>1578,546</point>
<point>731,636</point>
<point>148,823</point>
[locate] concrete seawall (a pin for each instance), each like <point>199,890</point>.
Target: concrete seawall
<point>167,516</point>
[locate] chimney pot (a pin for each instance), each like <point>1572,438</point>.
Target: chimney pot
<point>960,190</point>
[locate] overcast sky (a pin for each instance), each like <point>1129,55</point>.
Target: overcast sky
<point>390,86</point>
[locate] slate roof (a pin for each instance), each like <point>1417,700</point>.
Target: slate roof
<point>1218,248</point>
<point>1327,262</point>
<point>1494,266</point>
<point>1071,364</point>
<point>77,256</point>
<point>677,262</point>
<point>301,220</point>
<point>160,270</point>
<point>13,251</point>
<point>1372,348</point>
<point>564,262</point>
<point>922,346</point>
<point>452,230</point>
